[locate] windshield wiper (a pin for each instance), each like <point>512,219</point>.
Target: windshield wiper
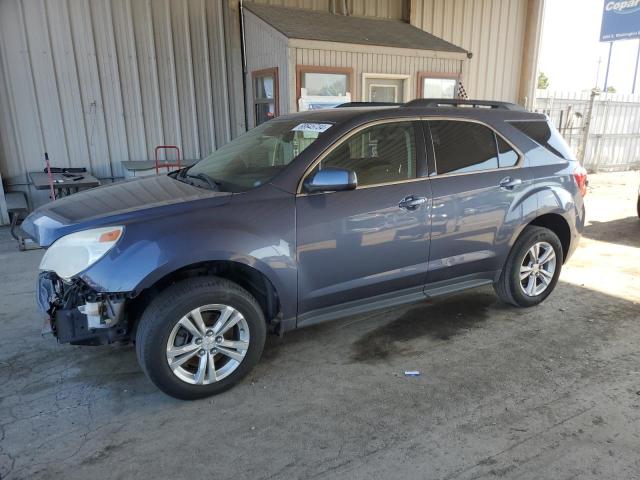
<point>214,185</point>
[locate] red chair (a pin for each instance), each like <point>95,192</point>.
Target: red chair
<point>167,163</point>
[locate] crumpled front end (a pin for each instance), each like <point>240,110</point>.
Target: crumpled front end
<point>76,314</point>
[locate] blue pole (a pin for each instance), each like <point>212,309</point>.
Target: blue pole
<point>635,72</point>
<point>606,75</point>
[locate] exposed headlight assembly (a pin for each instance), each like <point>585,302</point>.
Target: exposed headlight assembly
<point>77,251</point>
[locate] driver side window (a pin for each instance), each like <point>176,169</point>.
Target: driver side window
<point>384,153</point>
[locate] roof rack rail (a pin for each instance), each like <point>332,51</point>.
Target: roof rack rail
<point>368,104</point>
<point>450,102</point>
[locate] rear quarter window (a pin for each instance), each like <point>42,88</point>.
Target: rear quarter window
<point>541,132</point>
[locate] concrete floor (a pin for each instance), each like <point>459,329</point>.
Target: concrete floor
<point>549,392</point>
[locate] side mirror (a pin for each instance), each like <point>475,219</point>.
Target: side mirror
<point>331,180</point>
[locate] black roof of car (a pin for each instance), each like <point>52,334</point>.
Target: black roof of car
<point>370,111</point>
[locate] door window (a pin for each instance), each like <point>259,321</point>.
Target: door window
<point>508,157</point>
<point>384,88</point>
<point>383,153</point>
<point>463,147</point>
<point>265,95</point>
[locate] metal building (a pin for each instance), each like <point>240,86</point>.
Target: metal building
<point>99,82</point>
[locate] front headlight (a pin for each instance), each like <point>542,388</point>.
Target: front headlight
<point>77,251</point>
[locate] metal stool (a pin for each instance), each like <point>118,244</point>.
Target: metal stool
<point>17,206</point>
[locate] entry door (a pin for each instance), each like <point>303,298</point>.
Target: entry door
<point>384,89</point>
<point>476,200</point>
<point>368,242</point>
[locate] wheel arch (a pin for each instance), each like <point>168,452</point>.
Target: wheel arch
<point>558,225</point>
<point>256,282</point>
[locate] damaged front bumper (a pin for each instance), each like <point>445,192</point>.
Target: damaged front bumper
<point>78,315</point>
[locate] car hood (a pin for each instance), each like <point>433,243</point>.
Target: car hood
<point>120,202</point>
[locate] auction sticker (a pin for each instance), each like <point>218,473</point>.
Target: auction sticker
<point>312,127</point>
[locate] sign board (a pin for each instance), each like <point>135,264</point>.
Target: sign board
<point>620,20</point>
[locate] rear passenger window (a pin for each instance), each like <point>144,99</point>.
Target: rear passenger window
<point>462,147</point>
<point>541,132</point>
<point>380,154</point>
<point>508,157</point>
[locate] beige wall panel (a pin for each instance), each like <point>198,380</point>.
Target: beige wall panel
<point>202,77</point>
<point>98,82</point>
<point>45,84</point>
<point>366,60</point>
<point>122,15</point>
<point>90,88</point>
<point>393,9</point>
<point>265,48</point>
<point>183,65</point>
<point>493,30</point>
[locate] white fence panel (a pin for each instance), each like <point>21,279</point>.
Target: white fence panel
<point>613,143</point>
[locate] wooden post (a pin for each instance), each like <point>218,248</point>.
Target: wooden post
<point>585,128</point>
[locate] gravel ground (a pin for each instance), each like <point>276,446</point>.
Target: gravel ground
<point>548,392</point>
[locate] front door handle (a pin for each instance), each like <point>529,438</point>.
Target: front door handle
<point>411,202</point>
<point>508,183</point>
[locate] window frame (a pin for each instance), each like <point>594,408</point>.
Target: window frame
<point>431,154</point>
<point>439,75</point>
<point>420,146</point>
<point>302,69</point>
<point>406,86</point>
<point>553,151</point>
<point>265,72</point>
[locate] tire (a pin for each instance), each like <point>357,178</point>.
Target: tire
<point>510,288</point>
<point>170,318</point>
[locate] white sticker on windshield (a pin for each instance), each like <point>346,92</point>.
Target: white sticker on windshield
<point>312,127</point>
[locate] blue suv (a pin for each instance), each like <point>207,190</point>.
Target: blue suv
<point>307,218</point>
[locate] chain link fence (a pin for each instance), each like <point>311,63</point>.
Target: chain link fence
<point>610,141</point>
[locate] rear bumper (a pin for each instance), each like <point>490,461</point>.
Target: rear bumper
<point>77,315</point>
<point>576,233</point>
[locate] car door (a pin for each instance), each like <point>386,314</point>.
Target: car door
<point>372,241</point>
<point>477,182</point>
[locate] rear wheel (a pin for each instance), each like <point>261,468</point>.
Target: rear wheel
<point>199,337</point>
<point>532,268</point>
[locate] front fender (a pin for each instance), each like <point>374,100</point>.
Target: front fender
<point>153,249</point>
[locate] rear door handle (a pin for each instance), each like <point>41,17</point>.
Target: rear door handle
<point>508,183</point>
<point>411,202</point>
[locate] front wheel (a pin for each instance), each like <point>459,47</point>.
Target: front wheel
<point>532,269</point>
<point>199,337</point>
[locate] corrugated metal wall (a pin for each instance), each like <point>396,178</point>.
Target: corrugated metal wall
<point>394,9</point>
<point>96,82</point>
<point>493,30</point>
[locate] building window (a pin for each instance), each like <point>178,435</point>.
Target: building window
<point>323,87</point>
<point>383,87</point>
<point>437,85</point>
<point>265,95</point>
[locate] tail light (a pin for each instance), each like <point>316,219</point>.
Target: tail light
<point>580,174</point>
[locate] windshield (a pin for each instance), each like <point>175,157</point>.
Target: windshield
<point>255,157</point>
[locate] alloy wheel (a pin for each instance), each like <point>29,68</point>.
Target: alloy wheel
<point>537,269</point>
<point>207,344</point>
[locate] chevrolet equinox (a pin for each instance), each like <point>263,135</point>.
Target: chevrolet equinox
<point>307,218</point>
